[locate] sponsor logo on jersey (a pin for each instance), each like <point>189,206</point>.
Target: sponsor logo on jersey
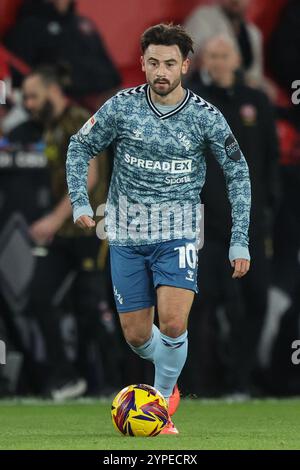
<point>137,134</point>
<point>173,166</point>
<point>88,125</point>
<point>232,148</point>
<point>181,179</point>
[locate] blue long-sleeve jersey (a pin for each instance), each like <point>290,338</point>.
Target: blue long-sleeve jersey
<point>159,163</point>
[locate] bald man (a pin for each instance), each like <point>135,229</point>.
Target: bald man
<point>229,17</point>
<point>250,117</point>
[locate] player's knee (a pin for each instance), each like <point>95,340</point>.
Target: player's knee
<point>173,328</point>
<point>134,337</point>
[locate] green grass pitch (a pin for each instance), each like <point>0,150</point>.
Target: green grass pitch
<point>265,424</point>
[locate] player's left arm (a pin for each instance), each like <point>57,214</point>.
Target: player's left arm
<point>94,137</point>
<point>43,230</point>
<point>226,150</point>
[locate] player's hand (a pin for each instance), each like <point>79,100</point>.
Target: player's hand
<point>85,222</point>
<point>241,267</point>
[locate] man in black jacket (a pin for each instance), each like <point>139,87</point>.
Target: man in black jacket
<point>56,33</point>
<point>284,47</point>
<point>250,116</point>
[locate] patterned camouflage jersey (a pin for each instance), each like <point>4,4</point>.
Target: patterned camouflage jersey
<point>57,138</point>
<point>159,159</point>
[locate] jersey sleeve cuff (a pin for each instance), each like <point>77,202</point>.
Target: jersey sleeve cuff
<point>82,210</point>
<point>238,252</point>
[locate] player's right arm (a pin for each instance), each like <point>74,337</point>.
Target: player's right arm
<point>227,152</point>
<point>96,135</point>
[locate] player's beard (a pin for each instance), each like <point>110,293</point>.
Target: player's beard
<point>165,90</point>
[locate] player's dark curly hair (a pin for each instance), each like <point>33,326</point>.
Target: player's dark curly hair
<point>167,34</point>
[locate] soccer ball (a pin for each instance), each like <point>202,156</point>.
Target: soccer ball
<point>139,410</point>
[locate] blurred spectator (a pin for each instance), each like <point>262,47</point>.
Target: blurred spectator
<point>3,95</point>
<point>282,324</point>
<point>55,33</point>
<point>284,47</point>
<point>229,17</point>
<point>283,55</point>
<point>67,260</point>
<point>244,302</point>
<point>4,71</point>
<point>12,113</point>
<point>280,376</point>
<point>24,197</point>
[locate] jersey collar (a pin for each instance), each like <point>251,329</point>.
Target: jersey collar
<point>171,113</point>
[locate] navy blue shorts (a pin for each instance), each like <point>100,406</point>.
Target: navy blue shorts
<point>138,270</point>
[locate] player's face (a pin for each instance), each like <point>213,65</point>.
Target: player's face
<point>164,67</point>
<point>35,97</point>
<point>220,59</point>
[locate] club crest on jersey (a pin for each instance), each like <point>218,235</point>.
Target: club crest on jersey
<point>184,141</point>
<point>88,125</point>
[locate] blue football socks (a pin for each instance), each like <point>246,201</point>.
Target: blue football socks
<point>168,355</point>
<point>146,351</point>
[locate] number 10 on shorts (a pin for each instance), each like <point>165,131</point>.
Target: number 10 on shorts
<point>187,256</point>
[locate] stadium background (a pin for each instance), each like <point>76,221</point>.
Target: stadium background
<point>133,16</point>
<point>120,25</point>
